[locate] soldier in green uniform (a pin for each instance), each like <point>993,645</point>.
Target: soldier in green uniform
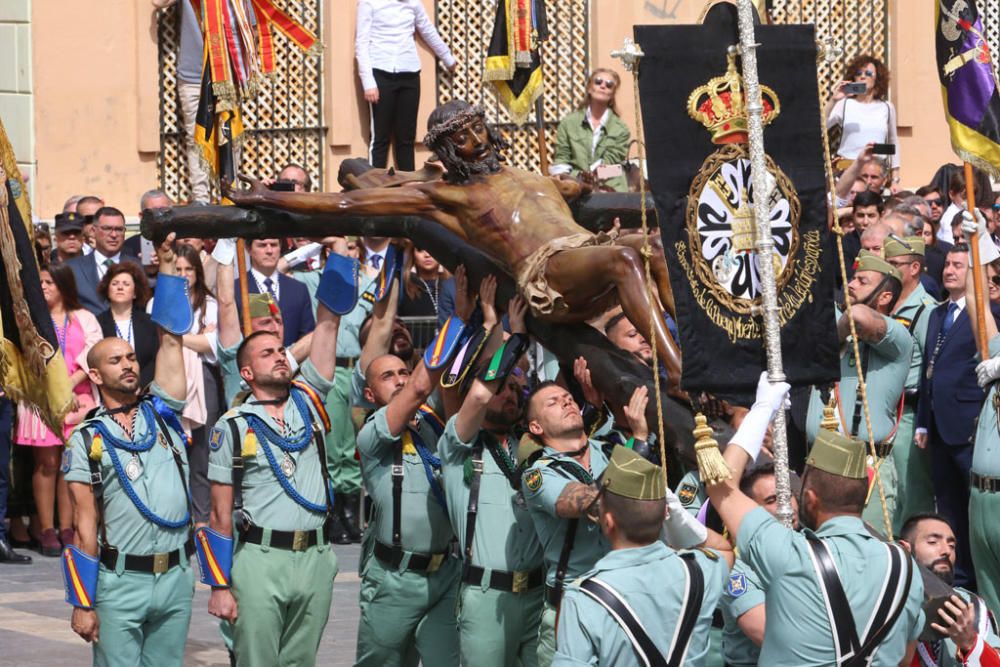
<point>559,489</point>
<point>264,316</point>
<point>642,603</point>
<point>886,351</point>
<point>969,630</point>
<point>409,579</point>
<point>742,603</point>
<point>834,591</point>
<point>500,602</point>
<point>268,480</point>
<point>914,490</point>
<point>345,471</point>
<point>127,471</point>
<point>984,497</point>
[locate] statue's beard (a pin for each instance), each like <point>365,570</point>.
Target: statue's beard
<point>460,170</point>
<point>488,165</point>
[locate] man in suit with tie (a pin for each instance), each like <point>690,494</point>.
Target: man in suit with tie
<point>949,402</point>
<point>291,296</point>
<point>109,237</point>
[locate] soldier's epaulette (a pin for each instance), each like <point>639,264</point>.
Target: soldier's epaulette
<point>230,413</point>
<point>709,554</point>
<point>368,296</point>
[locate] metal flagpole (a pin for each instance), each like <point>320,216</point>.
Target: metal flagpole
<point>762,186</point>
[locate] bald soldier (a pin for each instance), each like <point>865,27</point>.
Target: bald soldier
<point>914,489</point>
<point>642,603</point>
<point>886,351</point>
<point>834,591</point>
<point>519,219</point>
<point>129,577</point>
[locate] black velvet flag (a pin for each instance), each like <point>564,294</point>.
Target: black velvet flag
<point>699,171</point>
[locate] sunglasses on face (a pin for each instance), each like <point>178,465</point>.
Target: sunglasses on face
<point>996,207</point>
<point>865,72</point>
<point>604,83</point>
<point>995,280</point>
<point>934,202</point>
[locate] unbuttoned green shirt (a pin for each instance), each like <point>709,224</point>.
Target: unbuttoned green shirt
<point>504,537</point>
<point>742,593</point>
<point>889,363</point>
<point>424,523</point>
<point>542,484</point>
<point>265,500</point>
<point>798,627</point>
<point>159,486</point>
<point>917,306</point>
<point>232,383</point>
<point>986,453</point>
<point>650,579</point>
<point>575,145</point>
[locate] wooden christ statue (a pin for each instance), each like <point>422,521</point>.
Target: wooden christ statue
<point>518,219</point>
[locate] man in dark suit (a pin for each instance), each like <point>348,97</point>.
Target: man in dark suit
<point>949,402</point>
<point>109,236</point>
<point>291,295</point>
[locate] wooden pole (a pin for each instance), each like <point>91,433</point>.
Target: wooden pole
<point>543,146</point>
<point>977,276</point>
<point>241,264</point>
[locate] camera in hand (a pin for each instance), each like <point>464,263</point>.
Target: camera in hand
<point>855,88</point>
<point>283,185</point>
<point>884,149</point>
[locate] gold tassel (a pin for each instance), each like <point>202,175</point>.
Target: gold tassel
<point>830,421</point>
<point>711,466</point>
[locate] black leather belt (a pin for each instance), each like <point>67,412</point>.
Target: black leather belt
<point>345,362</point>
<point>510,582</point>
<point>153,563</point>
<point>882,449</point>
<point>424,563</point>
<point>290,540</point>
<point>553,596</point>
<point>984,483</point>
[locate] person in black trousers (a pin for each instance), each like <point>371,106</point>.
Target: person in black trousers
<point>7,554</point>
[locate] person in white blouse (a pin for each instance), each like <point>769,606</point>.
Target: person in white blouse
<point>865,118</point>
<point>389,67</point>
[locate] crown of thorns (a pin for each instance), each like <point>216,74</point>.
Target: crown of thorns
<point>456,122</point>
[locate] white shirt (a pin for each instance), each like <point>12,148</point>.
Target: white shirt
<point>863,124</point>
<point>101,259</point>
<point>384,38</point>
<point>259,278</point>
<point>369,254</point>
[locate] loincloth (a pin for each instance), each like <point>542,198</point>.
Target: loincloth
<point>531,280</point>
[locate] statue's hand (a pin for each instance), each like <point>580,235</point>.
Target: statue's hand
<point>245,196</point>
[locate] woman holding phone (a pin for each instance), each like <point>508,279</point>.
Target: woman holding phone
<point>859,106</point>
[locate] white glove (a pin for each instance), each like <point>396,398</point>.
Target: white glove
<point>970,226</point>
<point>303,254</point>
<point>770,399</point>
<point>225,251</point>
<point>680,529</point>
<point>988,371</point>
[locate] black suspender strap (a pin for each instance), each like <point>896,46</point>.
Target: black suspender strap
<point>242,521</point>
<point>96,481</point>
<point>693,598</point>
<point>563,564</point>
<point>849,649</point>
<point>612,601</point>
<point>324,471</point>
<point>866,353</point>
<point>916,318</point>
<point>397,496</point>
<point>177,462</point>
<point>473,508</point>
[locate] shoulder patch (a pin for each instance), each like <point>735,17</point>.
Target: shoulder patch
<point>737,585</point>
<point>67,459</point>
<point>216,440</point>
<point>533,480</point>
<point>687,493</point>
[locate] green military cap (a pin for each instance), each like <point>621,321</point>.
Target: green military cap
<point>262,305</point>
<point>869,261</point>
<point>896,246</point>
<point>838,455</point>
<point>631,476</point>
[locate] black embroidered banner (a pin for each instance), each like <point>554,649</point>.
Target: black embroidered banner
<point>699,170</point>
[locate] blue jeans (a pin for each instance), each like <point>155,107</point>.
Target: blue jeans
<point>6,442</point>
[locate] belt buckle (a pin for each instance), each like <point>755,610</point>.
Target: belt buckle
<point>161,563</point>
<point>397,470</point>
<point>520,583</point>
<point>436,561</point>
<point>300,540</point>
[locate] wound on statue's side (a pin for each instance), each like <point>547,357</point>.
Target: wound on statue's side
<point>695,121</point>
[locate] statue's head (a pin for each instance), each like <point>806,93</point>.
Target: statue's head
<point>458,134</point>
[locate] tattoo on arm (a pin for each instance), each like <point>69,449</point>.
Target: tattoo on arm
<point>576,501</point>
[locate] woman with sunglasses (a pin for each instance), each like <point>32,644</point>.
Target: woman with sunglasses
<point>866,117</point>
<point>592,142</point>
